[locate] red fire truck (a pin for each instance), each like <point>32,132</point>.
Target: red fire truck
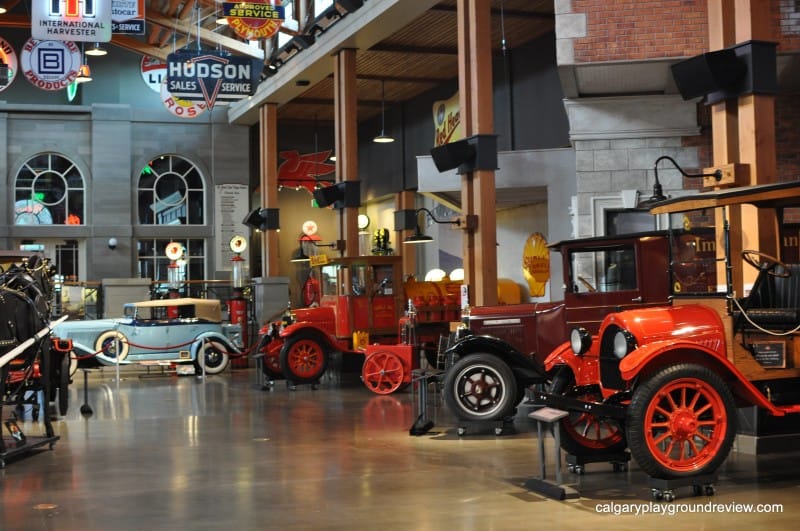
<point>359,322</point>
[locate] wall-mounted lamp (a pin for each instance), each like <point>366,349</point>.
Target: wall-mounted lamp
<point>300,255</point>
<point>407,219</point>
<point>658,191</point>
<point>112,243</point>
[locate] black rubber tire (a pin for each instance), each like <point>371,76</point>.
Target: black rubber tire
<point>106,339</point>
<point>480,387</point>
<point>211,356</point>
<point>711,452</point>
<point>571,440</point>
<point>64,379</point>
<point>304,359</point>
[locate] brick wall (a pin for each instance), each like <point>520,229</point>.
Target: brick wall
<point>633,29</point>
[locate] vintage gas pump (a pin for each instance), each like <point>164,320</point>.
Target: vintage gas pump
<point>237,305</point>
<point>174,252</point>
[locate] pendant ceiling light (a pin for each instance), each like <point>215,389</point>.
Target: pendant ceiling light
<point>84,74</point>
<point>383,138</point>
<point>96,50</point>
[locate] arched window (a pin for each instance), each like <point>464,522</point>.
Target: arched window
<point>49,190</point>
<point>171,192</point>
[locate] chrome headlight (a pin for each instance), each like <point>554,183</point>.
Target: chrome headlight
<point>580,340</point>
<point>624,342</point>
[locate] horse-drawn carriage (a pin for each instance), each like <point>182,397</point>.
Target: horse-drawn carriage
<point>32,365</point>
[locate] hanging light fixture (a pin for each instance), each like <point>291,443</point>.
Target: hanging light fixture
<point>383,138</point>
<point>96,50</point>
<point>84,74</point>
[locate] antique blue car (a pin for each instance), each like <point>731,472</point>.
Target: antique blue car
<point>179,331</point>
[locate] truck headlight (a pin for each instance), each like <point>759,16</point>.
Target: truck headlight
<point>624,343</point>
<point>580,340</point>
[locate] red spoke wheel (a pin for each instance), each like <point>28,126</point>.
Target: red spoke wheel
<point>581,432</point>
<point>383,372</point>
<point>681,422</point>
<point>303,359</point>
<point>272,364</point>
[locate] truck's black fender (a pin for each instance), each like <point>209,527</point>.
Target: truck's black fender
<point>525,368</point>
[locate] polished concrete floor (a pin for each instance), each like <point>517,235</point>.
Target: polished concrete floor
<point>183,453</point>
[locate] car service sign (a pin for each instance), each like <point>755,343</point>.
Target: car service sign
<point>211,77</point>
<point>50,65</point>
<point>9,57</point>
<point>255,19</point>
<point>153,71</point>
<point>179,107</point>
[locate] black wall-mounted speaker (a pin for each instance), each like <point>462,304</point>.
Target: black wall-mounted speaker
<point>339,195</point>
<point>405,219</point>
<point>477,152</point>
<point>749,67</point>
<point>263,219</point>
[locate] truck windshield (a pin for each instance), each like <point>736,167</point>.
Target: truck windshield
<point>612,269</point>
<point>695,254</point>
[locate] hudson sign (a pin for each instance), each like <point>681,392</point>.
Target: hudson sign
<point>212,78</point>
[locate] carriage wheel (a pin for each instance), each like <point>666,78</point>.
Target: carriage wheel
<point>109,342</point>
<point>681,422</point>
<point>73,363</point>
<point>63,384</point>
<point>383,372</point>
<point>303,359</point>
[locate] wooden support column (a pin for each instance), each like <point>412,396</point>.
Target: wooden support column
<point>268,168</point>
<point>477,188</point>
<point>743,131</point>
<point>346,140</point>
<point>406,200</point>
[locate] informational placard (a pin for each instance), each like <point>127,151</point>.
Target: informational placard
<point>127,17</point>
<point>770,354</point>
<point>230,209</point>
<point>211,77</point>
<point>71,20</point>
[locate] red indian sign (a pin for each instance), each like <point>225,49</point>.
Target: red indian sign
<point>254,19</point>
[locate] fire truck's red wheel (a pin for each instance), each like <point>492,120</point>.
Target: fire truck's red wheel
<point>480,387</point>
<point>582,433</point>
<point>681,422</point>
<point>303,359</point>
<point>383,372</point>
<point>272,365</point>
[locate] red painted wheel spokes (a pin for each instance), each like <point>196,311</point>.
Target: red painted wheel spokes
<point>480,389</point>
<point>685,424</point>
<point>273,362</point>
<point>305,358</point>
<point>383,373</point>
<point>591,431</point>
